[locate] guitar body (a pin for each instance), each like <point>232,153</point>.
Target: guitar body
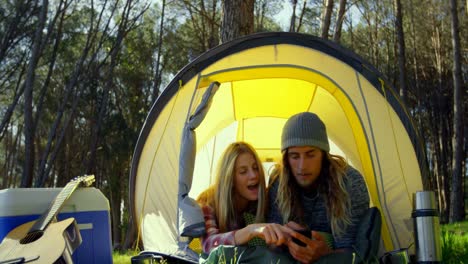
<point>54,245</point>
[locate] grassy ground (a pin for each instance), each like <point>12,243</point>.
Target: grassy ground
<point>122,257</point>
<point>454,243</point>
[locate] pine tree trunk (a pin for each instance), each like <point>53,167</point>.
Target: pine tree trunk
<point>328,10</point>
<point>301,17</point>
<point>213,37</point>
<point>438,182</point>
<point>114,54</point>
<point>238,19</point>
<point>116,199</point>
<point>10,151</point>
<point>401,49</point>
<point>130,235</point>
<point>11,108</point>
<point>157,75</point>
<point>443,138</point>
<point>456,196</point>
<point>292,25</point>
<point>12,30</point>
<point>29,149</point>
<point>43,170</point>
<point>417,86</point>
<point>260,17</point>
<point>339,21</point>
<point>58,143</point>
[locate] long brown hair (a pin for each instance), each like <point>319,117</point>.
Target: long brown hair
<point>330,184</point>
<point>220,194</point>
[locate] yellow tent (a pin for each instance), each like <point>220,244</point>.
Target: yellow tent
<point>264,79</point>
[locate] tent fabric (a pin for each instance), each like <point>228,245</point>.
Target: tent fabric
<point>191,222</point>
<point>264,79</point>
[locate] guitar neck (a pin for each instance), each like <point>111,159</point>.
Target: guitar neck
<point>42,223</point>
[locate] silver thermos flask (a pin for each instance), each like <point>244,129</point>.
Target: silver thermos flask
<point>426,228</point>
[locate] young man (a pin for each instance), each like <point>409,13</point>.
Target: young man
<point>315,190</point>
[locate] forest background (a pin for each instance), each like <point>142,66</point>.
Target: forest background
<point>77,79</point>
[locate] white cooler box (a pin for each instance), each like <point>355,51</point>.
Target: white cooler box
<point>88,206</point>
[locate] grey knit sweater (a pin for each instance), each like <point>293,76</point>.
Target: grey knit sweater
<point>315,212</point>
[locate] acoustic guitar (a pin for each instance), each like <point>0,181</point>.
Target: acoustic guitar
<point>45,240</point>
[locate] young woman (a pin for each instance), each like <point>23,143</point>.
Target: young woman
<point>234,206</point>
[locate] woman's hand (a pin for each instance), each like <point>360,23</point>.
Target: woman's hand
<point>273,234</point>
<point>294,226</point>
<point>312,251</point>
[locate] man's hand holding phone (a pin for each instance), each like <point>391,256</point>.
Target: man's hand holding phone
<point>306,233</point>
<point>307,247</point>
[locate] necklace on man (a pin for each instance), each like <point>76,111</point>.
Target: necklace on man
<point>311,195</point>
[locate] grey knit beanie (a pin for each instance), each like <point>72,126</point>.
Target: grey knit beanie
<point>304,129</point>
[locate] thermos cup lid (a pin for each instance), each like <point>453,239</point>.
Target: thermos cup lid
<point>424,200</point>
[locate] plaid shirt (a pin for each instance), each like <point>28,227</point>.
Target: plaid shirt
<point>213,238</point>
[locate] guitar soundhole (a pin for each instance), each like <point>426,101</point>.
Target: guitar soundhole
<point>29,238</point>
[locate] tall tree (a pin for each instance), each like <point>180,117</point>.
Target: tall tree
<point>339,21</point>
<point>18,92</point>
<point>301,17</point>
<point>15,24</point>
<point>238,19</point>
<point>60,13</point>
<point>456,196</point>
<point>28,170</point>
<point>292,24</point>
<point>205,23</point>
<point>260,12</point>
<point>296,27</point>
<point>326,18</point>
<point>369,35</point>
<point>264,12</point>
<point>401,48</point>
<point>125,25</point>
<point>69,98</point>
<point>440,111</point>
<point>157,75</point>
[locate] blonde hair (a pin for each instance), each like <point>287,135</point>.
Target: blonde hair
<point>220,194</point>
<point>330,185</point>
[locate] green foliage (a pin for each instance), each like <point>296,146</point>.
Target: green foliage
<point>122,258</point>
<point>454,242</point>
<point>264,12</point>
<point>310,22</point>
<point>181,47</point>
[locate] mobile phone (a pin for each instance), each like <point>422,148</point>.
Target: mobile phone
<point>305,232</point>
